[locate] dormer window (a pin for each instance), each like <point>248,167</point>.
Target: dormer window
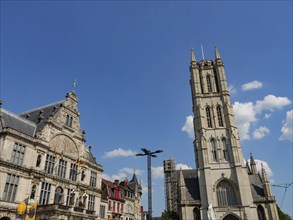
<point>69,120</point>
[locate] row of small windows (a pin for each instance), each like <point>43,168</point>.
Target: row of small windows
<point>50,166</point>
<point>224,149</point>
<point>219,117</point>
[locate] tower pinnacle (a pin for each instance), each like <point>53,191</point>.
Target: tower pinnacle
<point>192,56</point>
<point>217,54</point>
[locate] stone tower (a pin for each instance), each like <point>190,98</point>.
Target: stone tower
<point>224,182</point>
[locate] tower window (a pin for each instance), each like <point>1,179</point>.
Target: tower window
<point>225,149</point>
<point>209,119</point>
<point>220,118</point>
<point>209,84</point>
<point>225,194</point>
<point>214,150</point>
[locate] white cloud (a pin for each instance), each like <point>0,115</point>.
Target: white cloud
<point>260,132</point>
<point>122,174</point>
<point>232,89</point>
<point>244,115</point>
<point>188,126</point>
<point>119,153</point>
<point>182,166</point>
<point>271,102</point>
<point>251,85</point>
<point>287,129</point>
<point>158,172</point>
<point>267,116</point>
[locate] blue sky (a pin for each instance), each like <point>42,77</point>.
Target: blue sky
<point>131,61</point>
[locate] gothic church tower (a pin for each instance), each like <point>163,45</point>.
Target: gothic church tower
<point>224,183</point>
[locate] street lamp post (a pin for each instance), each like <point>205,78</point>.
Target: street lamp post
<point>149,155</point>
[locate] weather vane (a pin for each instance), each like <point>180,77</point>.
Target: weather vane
<point>74,86</point>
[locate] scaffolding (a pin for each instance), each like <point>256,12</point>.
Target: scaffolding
<point>170,184</point>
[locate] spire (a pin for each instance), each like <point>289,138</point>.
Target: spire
<point>217,54</point>
<point>252,165</point>
<point>264,173</point>
<point>192,56</point>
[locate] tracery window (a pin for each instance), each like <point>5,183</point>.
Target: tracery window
<point>225,194</point>
<point>209,119</point>
<point>209,84</point>
<point>220,118</point>
<point>214,150</point>
<point>225,149</point>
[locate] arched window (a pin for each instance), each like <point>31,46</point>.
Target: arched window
<point>225,194</point>
<point>214,150</point>
<point>261,213</point>
<point>209,84</point>
<point>196,214</point>
<point>58,195</point>
<point>220,118</point>
<point>225,149</point>
<point>209,119</point>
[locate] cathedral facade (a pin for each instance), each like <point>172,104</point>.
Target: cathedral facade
<point>222,187</point>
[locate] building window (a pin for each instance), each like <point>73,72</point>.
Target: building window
<point>73,172</point>
<point>209,118</point>
<point>220,118</point>
<point>91,203</point>
<point>261,213</point>
<point>61,172</point>
<point>58,195</point>
<point>50,163</point>
<point>17,154</point>
<point>209,84</point>
<point>102,211</point>
<point>93,179</point>
<point>10,187</point>
<point>225,194</point>
<point>225,149</point>
<point>69,120</point>
<point>68,197</point>
<point>45,193</point>
<point>214,150</point>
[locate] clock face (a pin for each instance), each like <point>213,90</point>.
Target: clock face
<point>63,145</point>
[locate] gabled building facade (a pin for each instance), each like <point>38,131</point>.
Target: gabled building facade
<point>221,187</point>
<point>44,159</point>
<point>124,199</point>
